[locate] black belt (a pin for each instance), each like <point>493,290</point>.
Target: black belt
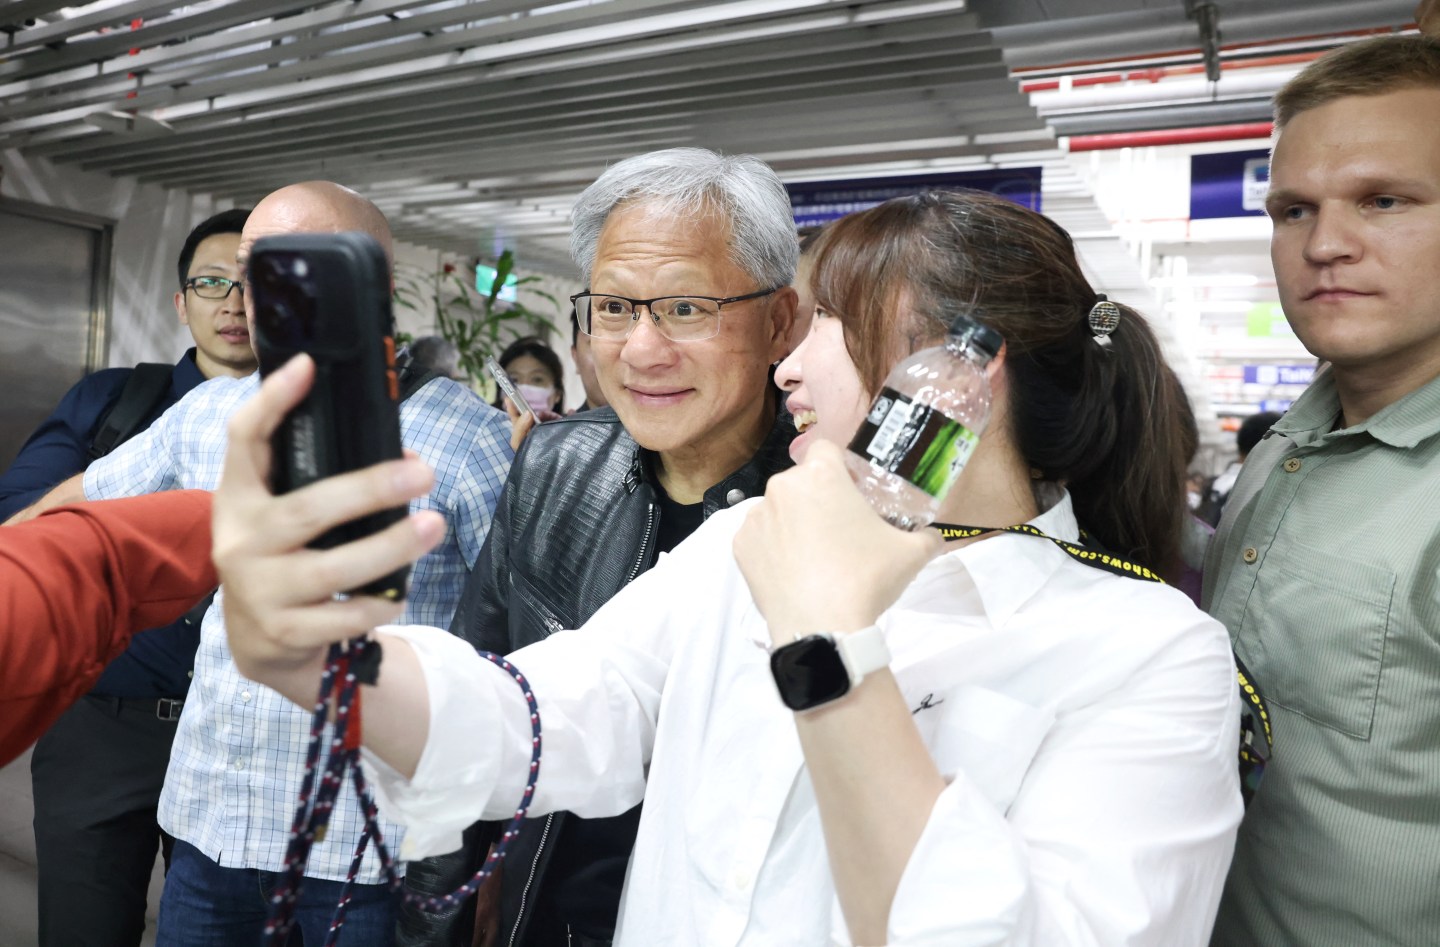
<point>164,708</point>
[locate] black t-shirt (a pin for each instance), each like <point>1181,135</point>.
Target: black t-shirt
<point>582,886</point>
<point>677,520</point>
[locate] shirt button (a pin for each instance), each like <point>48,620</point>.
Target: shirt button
<point>735,496</point>
<point>740,880</point>
<point>238,764</point>
<point>190,674</point>
<point>245,696</point>
<point>1292,465</point>
<point>1250,554</point>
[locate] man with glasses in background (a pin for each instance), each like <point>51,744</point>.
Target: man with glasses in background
<point>689,257</point>
<point>98,770</point>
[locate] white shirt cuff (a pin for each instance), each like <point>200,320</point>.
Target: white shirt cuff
<point>474,728</point>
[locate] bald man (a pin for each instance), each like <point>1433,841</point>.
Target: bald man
<point>238,758</point>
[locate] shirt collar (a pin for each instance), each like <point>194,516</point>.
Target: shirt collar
<point>187,372</point>
<point>1403,424</point>
<point>1005,570</point>
<point>1008,569</point>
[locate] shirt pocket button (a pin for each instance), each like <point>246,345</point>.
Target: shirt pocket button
<point>1250,554</point>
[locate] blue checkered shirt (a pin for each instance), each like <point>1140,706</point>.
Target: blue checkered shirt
<point>239,754</point>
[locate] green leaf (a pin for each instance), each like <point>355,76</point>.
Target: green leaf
<point>503,266</point>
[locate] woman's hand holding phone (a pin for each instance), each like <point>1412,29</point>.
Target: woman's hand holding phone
<point>522,416</point>
<point>281,609</point>
<point>521,423</point>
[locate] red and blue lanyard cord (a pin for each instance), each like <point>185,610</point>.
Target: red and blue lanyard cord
<point>351,664</point>
<point>1256,743</point>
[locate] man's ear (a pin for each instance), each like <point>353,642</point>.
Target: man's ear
<point>782,318</point>
<point>180,309</point>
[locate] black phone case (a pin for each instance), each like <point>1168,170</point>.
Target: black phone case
<point>329,295</point>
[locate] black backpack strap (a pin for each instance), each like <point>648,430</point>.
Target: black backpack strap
<point>143,391</point>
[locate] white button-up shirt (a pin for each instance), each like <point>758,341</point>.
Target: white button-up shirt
<point>1086,725</point>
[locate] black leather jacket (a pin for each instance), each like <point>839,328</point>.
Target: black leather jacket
<point>576,522</point>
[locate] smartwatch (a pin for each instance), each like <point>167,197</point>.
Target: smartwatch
<point>812,671</point>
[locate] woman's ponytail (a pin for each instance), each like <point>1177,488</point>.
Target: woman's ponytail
<point>1104,421</point>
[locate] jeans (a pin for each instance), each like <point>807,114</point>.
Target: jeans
<point>207,905</point>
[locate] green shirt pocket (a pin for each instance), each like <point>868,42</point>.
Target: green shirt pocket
<point>1321,622</point>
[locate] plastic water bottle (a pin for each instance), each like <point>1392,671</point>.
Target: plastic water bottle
<point>924,425</point>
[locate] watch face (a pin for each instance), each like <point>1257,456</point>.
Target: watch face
<point>808,672</point>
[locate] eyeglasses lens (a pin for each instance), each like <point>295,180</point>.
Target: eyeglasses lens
<point>679,318</point>
<point>215,287</point>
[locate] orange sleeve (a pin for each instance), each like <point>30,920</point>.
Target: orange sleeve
<point>77,582</point>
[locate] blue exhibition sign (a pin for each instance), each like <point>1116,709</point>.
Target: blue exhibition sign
<point>818,202</point>
<point>1279,374</point>
<point>1279,406</point>
<point>1230,184</point>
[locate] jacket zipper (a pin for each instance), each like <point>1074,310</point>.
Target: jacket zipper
<point>545,832</point>
<point>525,893</point>
<point>644,544</point>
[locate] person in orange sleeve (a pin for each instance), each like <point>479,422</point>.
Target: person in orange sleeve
<point>76,583</point>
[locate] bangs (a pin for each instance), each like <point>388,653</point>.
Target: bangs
<point>866,266</point>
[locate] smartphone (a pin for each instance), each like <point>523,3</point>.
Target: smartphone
<point>328,295</point>
<point>507,388</point>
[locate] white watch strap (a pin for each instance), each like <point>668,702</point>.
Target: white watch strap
<point>863,651</point>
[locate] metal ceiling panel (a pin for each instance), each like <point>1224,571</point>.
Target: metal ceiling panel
<point>474,122</point>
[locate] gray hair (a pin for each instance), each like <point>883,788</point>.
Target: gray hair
<point>431,353</point>
<point>691,181</point>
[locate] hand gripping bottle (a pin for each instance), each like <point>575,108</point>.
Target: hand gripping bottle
<point>924,425</point>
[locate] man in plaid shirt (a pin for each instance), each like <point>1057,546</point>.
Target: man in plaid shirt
<point>238,758</point>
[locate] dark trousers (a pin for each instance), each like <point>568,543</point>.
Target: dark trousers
<point>97,775</point>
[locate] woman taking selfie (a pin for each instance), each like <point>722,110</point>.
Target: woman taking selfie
<point>1022,749</point>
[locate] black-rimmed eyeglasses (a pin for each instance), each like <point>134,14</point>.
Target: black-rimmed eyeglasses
<point>679,318</point>
<point>214,287</point>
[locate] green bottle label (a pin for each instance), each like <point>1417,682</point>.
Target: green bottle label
<point>914,442</point>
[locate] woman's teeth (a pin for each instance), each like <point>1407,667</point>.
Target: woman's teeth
<point>803,419</point>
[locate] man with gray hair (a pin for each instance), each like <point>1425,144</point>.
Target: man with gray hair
<point>689,256</point>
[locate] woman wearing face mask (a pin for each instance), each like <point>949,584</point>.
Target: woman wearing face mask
<point>1001,744</point>
<point>535,369</point>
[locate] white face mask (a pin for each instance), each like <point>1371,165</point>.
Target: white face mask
<point>536,397</point>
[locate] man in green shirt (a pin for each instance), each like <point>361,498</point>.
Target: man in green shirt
<point>1325,565</point>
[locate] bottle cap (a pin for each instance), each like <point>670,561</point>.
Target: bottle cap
<point>969,331</point>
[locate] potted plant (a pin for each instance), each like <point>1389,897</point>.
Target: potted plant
<point>479,324</point>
